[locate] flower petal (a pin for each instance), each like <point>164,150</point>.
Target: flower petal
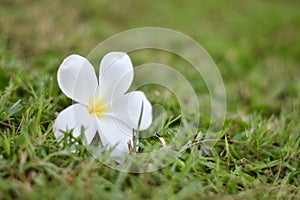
<point>74,118</point>
<point>128,109</point>
<point>116,75</point>
<point>77,79</point>
<point>115,134</point>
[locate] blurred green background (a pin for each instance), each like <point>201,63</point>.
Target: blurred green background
<point>255,44</point>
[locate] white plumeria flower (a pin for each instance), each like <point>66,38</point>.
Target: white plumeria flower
<point>102,107</point>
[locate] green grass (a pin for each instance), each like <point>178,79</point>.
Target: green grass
<point>256,46</point>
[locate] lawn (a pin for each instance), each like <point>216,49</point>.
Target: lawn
<point>256,152</point>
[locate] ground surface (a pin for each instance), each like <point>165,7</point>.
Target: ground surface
<point>256,46</point>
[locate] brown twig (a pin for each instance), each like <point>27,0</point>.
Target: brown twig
<point>5,124</point>
<point>199,142</point>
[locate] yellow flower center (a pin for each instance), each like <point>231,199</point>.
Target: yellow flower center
<point>97,107</point>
